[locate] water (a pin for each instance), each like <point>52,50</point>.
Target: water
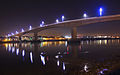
<point>98,57</point>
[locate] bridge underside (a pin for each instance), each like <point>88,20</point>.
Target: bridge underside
<point>105,28</point>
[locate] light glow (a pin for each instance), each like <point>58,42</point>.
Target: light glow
<point>17,51</point>
<point>12,33</point>
<point>63,66</point>
<point>31,57</point>
<point>57,21</point>
<point>42,59</point>
<point>63,17</point>
<point>85,15</point>
<point>101,11</point>
<point>22,30</point>
<point>30,28</point>
<point>16,32</point>
<point>23,53</point>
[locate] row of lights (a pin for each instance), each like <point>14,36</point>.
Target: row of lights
<point>57,21</point>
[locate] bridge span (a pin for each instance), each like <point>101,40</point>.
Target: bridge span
<point>72,24</point>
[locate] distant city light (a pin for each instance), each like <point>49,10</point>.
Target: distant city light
<point>63,17</point>
<point>85,15</point>
<point>22,30</point>
<point>16,32</point>
<point>12,33</point>
<point>9,35</point>
<point>57,21</point>
<point>100,11</point>
<point>30,28</point>
<point>68,37</point>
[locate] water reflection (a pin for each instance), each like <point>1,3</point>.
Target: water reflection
<point>85,58</point>
<point>31,57</point>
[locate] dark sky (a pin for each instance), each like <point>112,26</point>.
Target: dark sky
<point>17,14</point>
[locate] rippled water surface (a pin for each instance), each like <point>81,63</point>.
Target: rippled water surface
<point>98,57</point>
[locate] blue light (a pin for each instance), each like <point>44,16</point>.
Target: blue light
<point>22,30</point>
<point>42,59</point>
<point>17,51</point>
<point>30,28</point>
<point>9,35</point>
<point>63,66</point>
<point>12,33</point>
<point>57,21</point>
<point>23,53</point>
<point>41,25</point>
<point>100,11</point>
<point>16,32</point>
<point>85,15</point>
<point>31,57</point>
<point>43,22</point>
<point>63,17</point>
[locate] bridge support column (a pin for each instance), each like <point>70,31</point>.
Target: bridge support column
<point>35,36</point>
<point>74,33</point>
<point>74,36</point>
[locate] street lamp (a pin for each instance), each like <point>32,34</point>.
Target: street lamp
<point>43,22</point>
<point>30,28</point>
<point>100,11</point>
<point>41,25</point>
<point>85,15</point>
<point>63,17</point>
<point>22,30</point>
<point>57,21</point>
<point>16,32</point>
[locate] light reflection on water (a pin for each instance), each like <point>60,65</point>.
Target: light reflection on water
<point>87,58</point>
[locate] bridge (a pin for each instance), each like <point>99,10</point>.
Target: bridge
<point>72,24</point>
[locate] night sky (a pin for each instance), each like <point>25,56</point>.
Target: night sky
<point>17,14</point>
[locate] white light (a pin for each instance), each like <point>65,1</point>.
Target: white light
<point>63,18</point>
<point>13,49</point>
<point>23,53</point>
<point>57,21</point>
<point>17,51</point>
<point>58,62</point>
<point>63,66</point>
<point>16,32</point>
<point>31,57</point>
<point>67,36</point>
<point>22,30</point>
<point>100,11</point>
<point>9,35</point>
<point>43,22</point>
<point>86,68</point>
<point>42,59</point>
<point>9,48</point>
<point>85,15</point>
<point>41,25</point>
<point>12,33</point>
<point>30,28</point>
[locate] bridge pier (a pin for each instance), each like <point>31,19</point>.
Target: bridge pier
<point>74,36</point>
<point>74,33</point>
<point>35,36</point>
